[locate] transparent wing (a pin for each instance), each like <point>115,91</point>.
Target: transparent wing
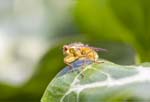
<point>99,49</point>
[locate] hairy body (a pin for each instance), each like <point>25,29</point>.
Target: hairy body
<point>77,51</point>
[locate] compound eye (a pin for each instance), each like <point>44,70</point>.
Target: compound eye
<point>65,48</point>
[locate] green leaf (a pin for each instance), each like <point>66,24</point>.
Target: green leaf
<point>125,21</point>
<point>100,82</point>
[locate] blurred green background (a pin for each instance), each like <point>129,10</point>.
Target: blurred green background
<point>32,33</point>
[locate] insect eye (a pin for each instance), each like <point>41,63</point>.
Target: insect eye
<point>65,48</point>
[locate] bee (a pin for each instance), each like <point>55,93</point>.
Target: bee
<point>76,51</point>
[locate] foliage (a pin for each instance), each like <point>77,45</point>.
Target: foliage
<point>100,82</point>
<point>52,62</point>
<point>119,26</point>
<point>125,21</point>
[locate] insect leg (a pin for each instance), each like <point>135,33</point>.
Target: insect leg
<point>70,66</point>
<point>85,59</point>
<point>95,60</point>
<point>84,63</point>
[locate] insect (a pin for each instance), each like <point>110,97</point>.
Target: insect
<point>75,51</point>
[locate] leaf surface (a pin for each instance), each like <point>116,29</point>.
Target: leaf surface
<point>101,82</point>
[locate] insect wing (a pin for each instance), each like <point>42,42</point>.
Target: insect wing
<point>98,49</point>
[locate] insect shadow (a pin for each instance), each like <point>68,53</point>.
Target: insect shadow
<point>77,65</point>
